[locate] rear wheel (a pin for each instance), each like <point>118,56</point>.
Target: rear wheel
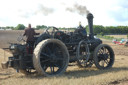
<point>103,56</point>
<point>50,57</point>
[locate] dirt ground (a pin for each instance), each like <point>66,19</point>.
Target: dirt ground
<point>11,36</point>
<point>118,50</point>
<point>116,76</point>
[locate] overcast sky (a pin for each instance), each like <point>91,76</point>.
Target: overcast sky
<point>63,13</point>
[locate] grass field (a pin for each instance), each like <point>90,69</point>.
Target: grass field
<point>74,75</point>
<point>119,36</point>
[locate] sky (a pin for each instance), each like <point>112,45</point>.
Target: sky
<point>63,13</point>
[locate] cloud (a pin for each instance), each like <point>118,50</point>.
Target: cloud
<point>120,14</point>
<point>41,9</point>
<point>62,12</point>
<point>44,10</point>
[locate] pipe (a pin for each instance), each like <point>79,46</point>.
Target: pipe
<point>90,24</point>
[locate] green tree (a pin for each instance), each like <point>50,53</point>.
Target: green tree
<point>41,27</point>
<point>96,29</point>
<point>10,27</point>
<point>20,27</point>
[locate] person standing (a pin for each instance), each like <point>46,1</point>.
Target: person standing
<point>80,26</point>
<point>30,33</point>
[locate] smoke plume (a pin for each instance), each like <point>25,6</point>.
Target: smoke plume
<point>82,10</point>
<point>40,10</point>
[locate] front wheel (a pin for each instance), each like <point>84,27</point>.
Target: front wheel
<point>103,56</point>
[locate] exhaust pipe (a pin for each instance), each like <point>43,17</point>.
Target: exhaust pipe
<point>90,24</point>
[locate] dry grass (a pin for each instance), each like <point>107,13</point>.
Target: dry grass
<point>73,75</point>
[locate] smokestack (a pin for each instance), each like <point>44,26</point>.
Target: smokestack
<point>90,24</point>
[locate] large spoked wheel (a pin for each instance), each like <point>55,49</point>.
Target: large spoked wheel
<point>103,56</point>
<point>50,57</point>
<point>83,55</point>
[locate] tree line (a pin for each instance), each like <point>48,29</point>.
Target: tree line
<point>98,29</point>
<point>38,27</point>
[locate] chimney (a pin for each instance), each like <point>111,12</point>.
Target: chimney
<point>90,24</point>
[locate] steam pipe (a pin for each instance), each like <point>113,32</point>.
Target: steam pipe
<point>90,24</point>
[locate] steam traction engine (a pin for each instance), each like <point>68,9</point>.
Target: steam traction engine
<point>55,49</point>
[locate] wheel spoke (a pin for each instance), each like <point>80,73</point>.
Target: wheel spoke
<point>55,50</point>
<point>56,65</point>
<point>59,58</point>
<point>52,47</point>
<point>106,61</point>
<point>48,50</point>
<point>108,53</point>
<point>52,69</point>
<point>104,50</point>
<point>45,60</point>
<point>109,57</point>
<point>45,54</point>
<point>101,51</point>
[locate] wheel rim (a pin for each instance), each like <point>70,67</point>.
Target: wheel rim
<point>52,59</point>
<point>105,57</point>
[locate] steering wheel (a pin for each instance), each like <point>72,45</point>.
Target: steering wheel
<point>20,38</point>
<point>51,32</point>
